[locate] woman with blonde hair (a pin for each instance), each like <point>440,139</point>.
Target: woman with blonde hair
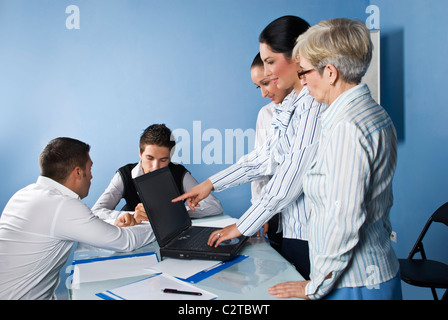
<point>348,188</point>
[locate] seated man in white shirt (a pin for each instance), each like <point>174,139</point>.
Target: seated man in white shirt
<point>41,222</point>
<point>156,144</point>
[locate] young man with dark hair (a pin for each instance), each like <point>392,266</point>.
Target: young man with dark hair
<point>156,146</point>
<point>41,222</point>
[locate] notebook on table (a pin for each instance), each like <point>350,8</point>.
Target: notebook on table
<point>172,225</point>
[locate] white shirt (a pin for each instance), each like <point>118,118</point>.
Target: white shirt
<point>286,155</point>
<point>38,228</point>
<point>349,192</point>
<point>263,127</point>
<point>105,206</point>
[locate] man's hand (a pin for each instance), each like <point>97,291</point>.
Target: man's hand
<point>196,194</point>
<point>229,232</point>
<point>140,213</point>
<point>125,220</point>
<point>289,289</point>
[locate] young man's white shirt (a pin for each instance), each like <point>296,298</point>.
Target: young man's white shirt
<point>105,206</point>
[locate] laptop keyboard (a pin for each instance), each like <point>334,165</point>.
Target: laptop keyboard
<point>195,239</point>
<point>200,239</point>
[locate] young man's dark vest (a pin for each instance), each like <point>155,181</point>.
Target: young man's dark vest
<point>130,193</point>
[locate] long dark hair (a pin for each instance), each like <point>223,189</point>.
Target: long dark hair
<point>282,33</point>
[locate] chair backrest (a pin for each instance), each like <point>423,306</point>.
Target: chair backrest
<point>441,214</point>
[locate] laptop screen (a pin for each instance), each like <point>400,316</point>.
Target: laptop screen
<point>156,190</point>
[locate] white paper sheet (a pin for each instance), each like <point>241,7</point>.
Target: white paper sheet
<point>116,268</point>
<point>152,289</point>
<point>221,223</point>
<point>182,268</point>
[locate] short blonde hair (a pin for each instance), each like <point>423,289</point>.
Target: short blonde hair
<point>344,43</point>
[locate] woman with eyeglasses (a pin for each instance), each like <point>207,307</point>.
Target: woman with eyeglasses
<point>286,155</point>
<point>349,185</point>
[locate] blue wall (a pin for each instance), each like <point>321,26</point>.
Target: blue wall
<point>134,63</point>
<point>414,46</point>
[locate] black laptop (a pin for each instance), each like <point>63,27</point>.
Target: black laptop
<point>172,225</point>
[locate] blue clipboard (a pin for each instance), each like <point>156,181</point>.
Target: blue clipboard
<point>96,259</point>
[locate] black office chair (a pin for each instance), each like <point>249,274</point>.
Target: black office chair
<point>423,272</point>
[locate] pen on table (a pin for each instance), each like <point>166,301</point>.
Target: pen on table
<point>168,290</point>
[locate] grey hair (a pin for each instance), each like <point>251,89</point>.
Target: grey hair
<point>344,43</point>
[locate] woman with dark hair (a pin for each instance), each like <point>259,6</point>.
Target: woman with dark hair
<point>276,45</point>
<point>281,34</point>
<point>264,119</point>
<point>286,155</point>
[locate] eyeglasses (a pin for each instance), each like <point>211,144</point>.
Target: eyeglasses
<point>301,74</point>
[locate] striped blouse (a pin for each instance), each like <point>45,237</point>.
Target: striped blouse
<point>349,192</point>
<point>288,152</point>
